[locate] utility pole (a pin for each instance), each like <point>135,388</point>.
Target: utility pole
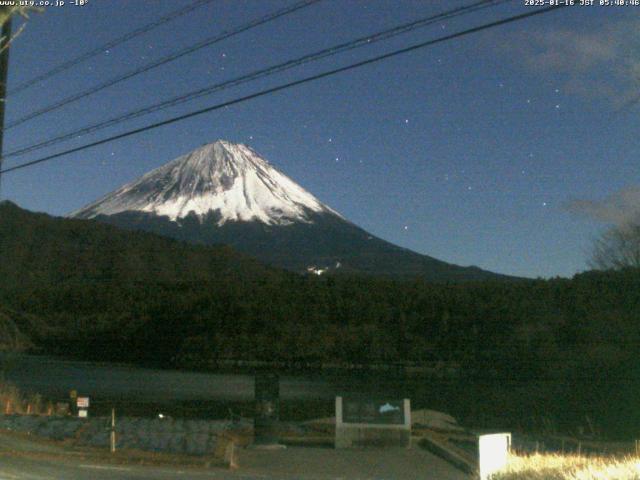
<point>5,13</point>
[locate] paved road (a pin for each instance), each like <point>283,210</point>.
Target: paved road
<point>353,464</point>
<point>364,467</point>
<point>24,459</point>
<point>23,468</point>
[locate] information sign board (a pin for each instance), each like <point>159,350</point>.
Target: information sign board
<point>362,422</point>
<point>376,412</point>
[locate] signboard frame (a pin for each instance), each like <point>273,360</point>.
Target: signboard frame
<point>350,434</point>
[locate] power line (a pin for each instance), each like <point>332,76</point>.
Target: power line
<point>163,61</point>
<point>109,45</point>
<point>312,57</point>
<point>285,86</point>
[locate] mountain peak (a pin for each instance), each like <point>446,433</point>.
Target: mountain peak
<point>227,179</point>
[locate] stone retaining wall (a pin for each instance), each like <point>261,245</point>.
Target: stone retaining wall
<point>191,437</point>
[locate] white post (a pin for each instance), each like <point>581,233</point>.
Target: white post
<point>113,430</point>
<point>338,411</point>
<point>493,452</point>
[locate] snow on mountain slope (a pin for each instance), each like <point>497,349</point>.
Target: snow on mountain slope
<point>223,177</point>
<point>225,193</point>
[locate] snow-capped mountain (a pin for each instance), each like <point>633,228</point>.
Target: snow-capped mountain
<point>222,177</point>
<point>226,193</point>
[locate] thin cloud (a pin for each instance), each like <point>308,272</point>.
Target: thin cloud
<point>597,63</point>
<point>621,208</point>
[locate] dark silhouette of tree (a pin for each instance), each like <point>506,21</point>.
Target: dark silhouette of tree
<point>617,248</point>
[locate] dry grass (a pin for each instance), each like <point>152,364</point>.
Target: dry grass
<point>12,401</point>
<point>570,467</point>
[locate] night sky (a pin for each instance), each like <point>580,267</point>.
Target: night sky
<point>510,149</point>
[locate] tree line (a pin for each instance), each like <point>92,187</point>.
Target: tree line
<point>82,289</point>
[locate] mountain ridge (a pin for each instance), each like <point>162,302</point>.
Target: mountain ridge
<point>226,193</point>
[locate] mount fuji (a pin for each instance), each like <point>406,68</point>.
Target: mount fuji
<point>226,193</point>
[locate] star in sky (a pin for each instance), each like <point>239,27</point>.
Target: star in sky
<point>541,71</point>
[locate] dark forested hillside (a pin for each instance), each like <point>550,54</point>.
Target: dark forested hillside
<point>328,242</point>
<point>102,293</point>
<point>39,249</point>
<point>92,281</point>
